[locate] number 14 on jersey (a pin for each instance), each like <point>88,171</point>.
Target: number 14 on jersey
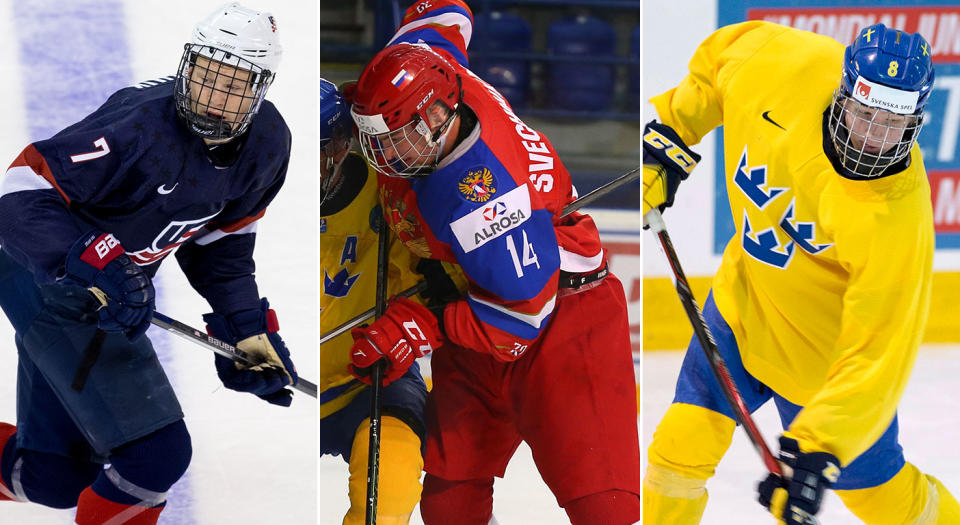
<point>529,256</point>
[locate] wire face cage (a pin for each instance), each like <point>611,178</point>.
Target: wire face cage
<point>218,93</point>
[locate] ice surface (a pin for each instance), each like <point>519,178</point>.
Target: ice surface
<point>929,431</point>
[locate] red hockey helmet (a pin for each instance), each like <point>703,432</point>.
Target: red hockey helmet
<point>396,107</point>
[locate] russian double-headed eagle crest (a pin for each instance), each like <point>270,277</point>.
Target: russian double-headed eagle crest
<point>478,185</point>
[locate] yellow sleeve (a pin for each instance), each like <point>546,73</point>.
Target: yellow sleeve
<point>887,246</point>
<point>695,106</point>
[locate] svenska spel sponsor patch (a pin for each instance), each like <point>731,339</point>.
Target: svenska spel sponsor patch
<point>883,97</point>
<point>496,218</point>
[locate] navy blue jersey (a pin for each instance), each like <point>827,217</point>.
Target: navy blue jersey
<point>131,168</point>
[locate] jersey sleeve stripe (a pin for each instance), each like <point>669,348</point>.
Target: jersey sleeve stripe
<point>438,43</point>
<point>450,17</point>
<point>506,321</point>
<point>534,320</point>
<point>31,159</point>
<point>22,178</point>
<point>576,263</point>
<point>235,226</point>
<point>216,235</point>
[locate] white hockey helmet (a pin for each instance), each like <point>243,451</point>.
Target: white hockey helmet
<point>246,33</point>
<point>247,41</point>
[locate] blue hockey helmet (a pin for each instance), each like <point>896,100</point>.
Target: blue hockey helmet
<point>891,58</point>
<point>335,135</point>
<point>877,112</point>
<point>334,119</point>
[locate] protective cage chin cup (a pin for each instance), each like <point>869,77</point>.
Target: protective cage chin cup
<point>218,93</point>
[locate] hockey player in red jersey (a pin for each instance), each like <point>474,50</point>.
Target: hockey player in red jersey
<point>538,349</point>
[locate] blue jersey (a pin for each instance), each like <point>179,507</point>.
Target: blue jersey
<point>131,168</point>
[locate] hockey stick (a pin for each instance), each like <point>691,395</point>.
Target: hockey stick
<point>627,177</point>
<point>367,315</point>
<point>709,346</point>
<point>219,347</point>
<point>376,375</point>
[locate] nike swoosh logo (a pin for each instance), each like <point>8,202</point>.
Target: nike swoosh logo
<point>766,116</point>
<point>162,190</point>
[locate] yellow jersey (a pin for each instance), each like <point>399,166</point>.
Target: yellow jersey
<point>826,283</point>
<point>348,263</point>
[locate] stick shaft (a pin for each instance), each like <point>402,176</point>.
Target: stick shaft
<point>709,345</point>
<point>376,377</point>
<point>219,347</point>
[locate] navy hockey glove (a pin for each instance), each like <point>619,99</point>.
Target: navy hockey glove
<point>666,162</point>
<point>796,497</point>
<point>97,262</point>
<point>254,332</point>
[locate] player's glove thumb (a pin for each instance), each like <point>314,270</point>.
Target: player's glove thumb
<point>796,497</point>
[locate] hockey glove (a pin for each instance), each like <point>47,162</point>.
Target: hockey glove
<point>254,332</point>
<point>125,292</point>
<point>666,162</point>
<point>406,331</point>
<point>796,497</point>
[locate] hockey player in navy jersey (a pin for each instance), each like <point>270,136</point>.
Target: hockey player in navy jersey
<point>86,217</point>
<point>538,350</point>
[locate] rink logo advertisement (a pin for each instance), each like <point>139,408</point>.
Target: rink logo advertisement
<point>486,223</point>
<point>940,25</point>
<point>945,190</point>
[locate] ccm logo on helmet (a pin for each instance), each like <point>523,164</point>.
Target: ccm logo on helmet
<point>425,99</point>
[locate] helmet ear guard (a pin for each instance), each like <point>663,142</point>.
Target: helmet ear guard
<point>877,112</point>
<point>232,43</point>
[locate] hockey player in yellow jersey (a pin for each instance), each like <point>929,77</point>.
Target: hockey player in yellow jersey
<point>348,262</point>
<point>822,295</point>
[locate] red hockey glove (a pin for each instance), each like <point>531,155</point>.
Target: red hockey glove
<point>406,331</point>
